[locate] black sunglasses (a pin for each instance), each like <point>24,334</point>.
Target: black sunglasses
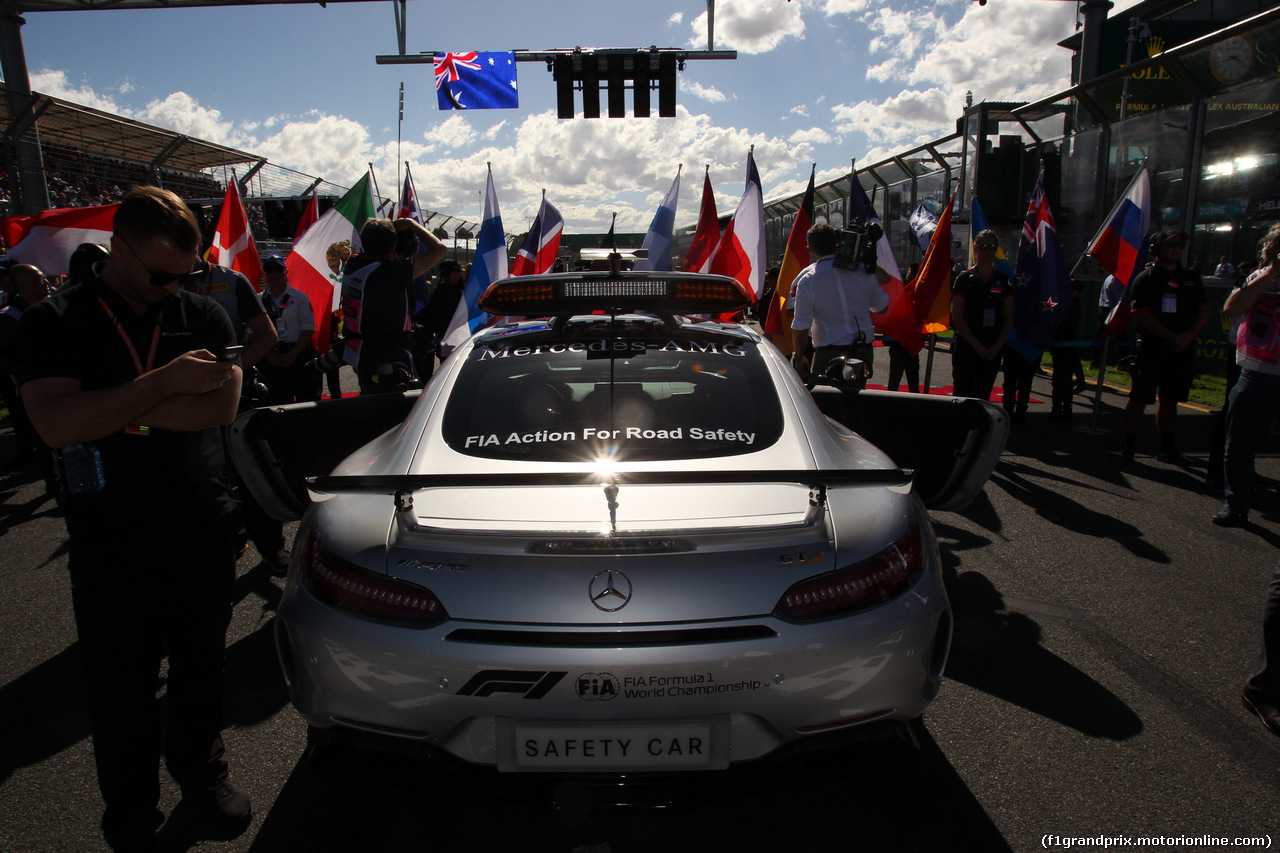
<point>163,279</point>
<point>987,247</point>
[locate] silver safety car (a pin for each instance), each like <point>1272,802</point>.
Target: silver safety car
<point>616,536</point>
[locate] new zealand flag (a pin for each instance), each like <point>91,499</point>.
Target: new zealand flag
<point>1041,282</point>
<point>476,81</point>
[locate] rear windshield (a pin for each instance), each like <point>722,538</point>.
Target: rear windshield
<point>568,400</point>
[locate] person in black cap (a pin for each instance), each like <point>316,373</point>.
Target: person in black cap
<point>1169,309</point>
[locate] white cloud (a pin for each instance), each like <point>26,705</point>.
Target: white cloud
<point>330,146</point>
<point>676,19</point>
<point>800,110</point>
<point>455,132</point>
<point>1002,51</point>
<point>55,83</point>
<point>591,169</point>
<point>750,26</point>
<point>842,7</point>
<point>813,136</point>
<point>706,93</point>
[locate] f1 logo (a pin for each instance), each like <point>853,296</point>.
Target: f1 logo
<point>532,685</point>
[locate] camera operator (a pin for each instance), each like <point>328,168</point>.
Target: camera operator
<point>833,304</point>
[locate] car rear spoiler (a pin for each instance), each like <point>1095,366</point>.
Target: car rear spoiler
<point>402,486</point>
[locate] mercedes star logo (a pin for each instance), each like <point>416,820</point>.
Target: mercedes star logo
<point>610,590</point>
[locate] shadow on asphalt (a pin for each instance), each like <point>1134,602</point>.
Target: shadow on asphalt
<point>998,652</point>
<point>376,803</point>
<point>48,706</point>
<point>45,712</point>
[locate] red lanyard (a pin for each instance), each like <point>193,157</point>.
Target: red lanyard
<point>124,336</point>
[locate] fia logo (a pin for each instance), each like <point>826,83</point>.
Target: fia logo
<point>597,686</point>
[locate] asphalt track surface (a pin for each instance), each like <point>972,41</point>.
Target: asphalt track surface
<point>1103,630</point>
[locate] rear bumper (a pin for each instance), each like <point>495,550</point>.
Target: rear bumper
<point>861,678</point>
<point>806,761</point>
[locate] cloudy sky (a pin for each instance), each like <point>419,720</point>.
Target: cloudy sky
<point>815,81</point>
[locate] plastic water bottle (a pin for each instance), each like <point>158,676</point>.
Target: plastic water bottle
<point>83,466</point>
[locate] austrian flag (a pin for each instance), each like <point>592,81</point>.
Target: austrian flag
<point>476,81</point>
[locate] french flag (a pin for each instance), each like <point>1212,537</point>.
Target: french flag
<point>1121,246</point>
<point>47,239</point>
<point>740,254</point>
<point>541,244</point>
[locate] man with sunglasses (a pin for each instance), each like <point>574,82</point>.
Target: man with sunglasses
<point>1169,310</point>
<point>123,373</point>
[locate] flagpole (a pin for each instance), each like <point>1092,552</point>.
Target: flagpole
<point>399,125</point>
<point>377,193</point>
<point>928,363</point>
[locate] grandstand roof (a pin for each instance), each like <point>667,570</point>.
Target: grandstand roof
<point>109,135</point>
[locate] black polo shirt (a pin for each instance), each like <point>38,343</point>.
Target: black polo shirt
<point>1173,297</point>
<point>166,476</point>
<point>983,302</point>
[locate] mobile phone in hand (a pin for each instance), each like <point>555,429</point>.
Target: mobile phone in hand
<point>230,353</point>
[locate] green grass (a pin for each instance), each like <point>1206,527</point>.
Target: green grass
<point>1207,389</point>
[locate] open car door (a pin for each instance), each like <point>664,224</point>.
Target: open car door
<point>951,443</point>
<point>276,448</point>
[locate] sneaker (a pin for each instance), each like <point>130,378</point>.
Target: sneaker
<point>1228,517</point>
<point>223,800</point>
<point>280,562</point>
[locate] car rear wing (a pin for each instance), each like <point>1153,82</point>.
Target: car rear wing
<point>402,486</point>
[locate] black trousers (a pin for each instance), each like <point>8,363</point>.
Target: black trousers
<point>1266,673</point>
<point>139,594</point>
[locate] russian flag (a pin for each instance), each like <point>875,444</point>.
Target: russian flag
<point>542,243</point>
<point>1121,246</point>
<point>490,265</point>
<point>47,239</point>
<point>658,241</point>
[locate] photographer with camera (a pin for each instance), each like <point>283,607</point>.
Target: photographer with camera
<point>981,315</point>
<point>834,297</point>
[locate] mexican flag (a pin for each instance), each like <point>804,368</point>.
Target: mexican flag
<point>315,264</point>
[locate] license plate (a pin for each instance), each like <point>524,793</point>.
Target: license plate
<point>571,746</point>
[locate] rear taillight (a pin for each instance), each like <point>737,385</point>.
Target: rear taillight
<point>342,585</point>
<point>858,587</point>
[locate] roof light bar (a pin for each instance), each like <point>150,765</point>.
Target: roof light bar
<point>583,293</point>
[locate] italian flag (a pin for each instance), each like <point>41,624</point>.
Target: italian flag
<point>315,264</point>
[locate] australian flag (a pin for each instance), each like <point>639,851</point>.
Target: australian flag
<point>1041,283</point>
<point>476,81</point>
